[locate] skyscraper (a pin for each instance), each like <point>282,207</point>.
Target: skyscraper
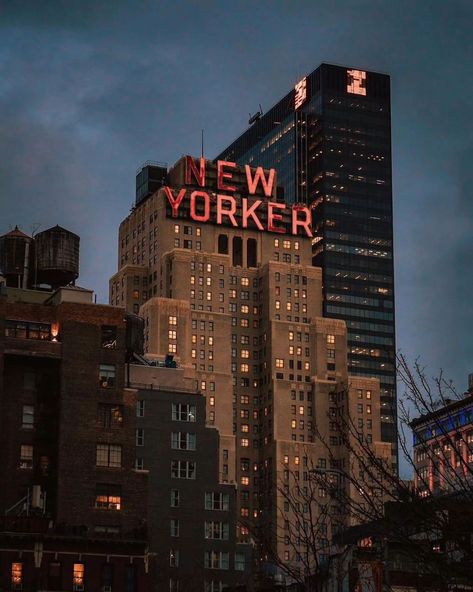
<point>329,139</point>
<point>219,268</point>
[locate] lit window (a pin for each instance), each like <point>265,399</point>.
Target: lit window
<point>245,442</point>
<point>78,574</point>
<point>279,363</point>
<point>172,320</point>
<point>108,497</point>
<point>26,456</point>
<point>17,573</point>
<point>330,339</point>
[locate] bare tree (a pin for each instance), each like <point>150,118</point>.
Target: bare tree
<point>426,528</point>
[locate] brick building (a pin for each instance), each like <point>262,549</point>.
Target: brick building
<point>73,506</point>
<point>192,520</point>
<point>240,309</point>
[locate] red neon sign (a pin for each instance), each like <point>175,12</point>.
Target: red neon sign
<point>254,212</point>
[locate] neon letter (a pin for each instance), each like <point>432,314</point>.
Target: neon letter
<point>259,176</point>
<point>175,202</point>
<point>249,212</point>
<point>194,215</point>
<point>199,176</point>
<point>306,223</point>
<point>272,217</point>
<point>222,175</point>
<point>230,213</point>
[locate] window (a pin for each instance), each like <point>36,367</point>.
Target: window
<point>26,456</point>
<point>140,408</point>
<point>216,560</point>
<point>109,416</point>
<point>217,530</point>
<point>140,437</point>
<point>217,501</point>
<point>109,336</point>
<point>106,375</point>
<point>183,412</point>
<point>139,464</point>
<point>174,527</point>
<point>330,339</point>
<point>108,455</point>
<point>17,573</point>
<point>175,498</point>
<point>28,417</point>
<point>108,497</point>
<point>279,363</point>
<point>173,558</point>
<point>24,330</point>
<point>78,574</point>
<point>172,320</point>
<point>183,441</point>
<point>183,469</point>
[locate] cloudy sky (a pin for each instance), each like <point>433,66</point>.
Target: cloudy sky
<point>91,89</point>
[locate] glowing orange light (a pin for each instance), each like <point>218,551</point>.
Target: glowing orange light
<point>300,95</point>
<point>54,331</point>
<point>356,82</point>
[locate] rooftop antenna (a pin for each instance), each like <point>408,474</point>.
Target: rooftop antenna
<point>34,228</point>
<point>256,116</point>
<point>202,143</point>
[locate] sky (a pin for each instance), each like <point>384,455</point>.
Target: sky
<point>89,90</point>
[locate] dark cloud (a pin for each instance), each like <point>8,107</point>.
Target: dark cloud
<point>91,89</point>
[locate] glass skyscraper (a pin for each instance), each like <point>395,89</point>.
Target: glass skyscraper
<point>329,139</point>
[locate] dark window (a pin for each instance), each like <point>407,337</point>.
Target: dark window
<point>237,251</point>
<point>223,244</point>
<point>24,330</point>
<point>251,255</point>
<point>106,375</point>
<point>109,336</point>
<point>107,574</point>
<point>130,579</point>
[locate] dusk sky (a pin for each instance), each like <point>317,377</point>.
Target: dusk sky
<point>89,90</point>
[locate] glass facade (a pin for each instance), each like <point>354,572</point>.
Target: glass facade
<point>334,153</point>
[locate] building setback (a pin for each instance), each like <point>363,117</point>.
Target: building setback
<point>329,139</point>
<point>240,309</point>
<point>73,506</point>
<point>192,515</point>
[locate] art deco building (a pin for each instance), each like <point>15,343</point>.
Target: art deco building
<point>329,139</point>
<point>240,310</point>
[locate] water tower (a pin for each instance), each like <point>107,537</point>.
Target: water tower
<point>15,257</point>
<point>57,257</point>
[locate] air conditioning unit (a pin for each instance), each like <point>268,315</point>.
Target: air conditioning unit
<point>78,587</point>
